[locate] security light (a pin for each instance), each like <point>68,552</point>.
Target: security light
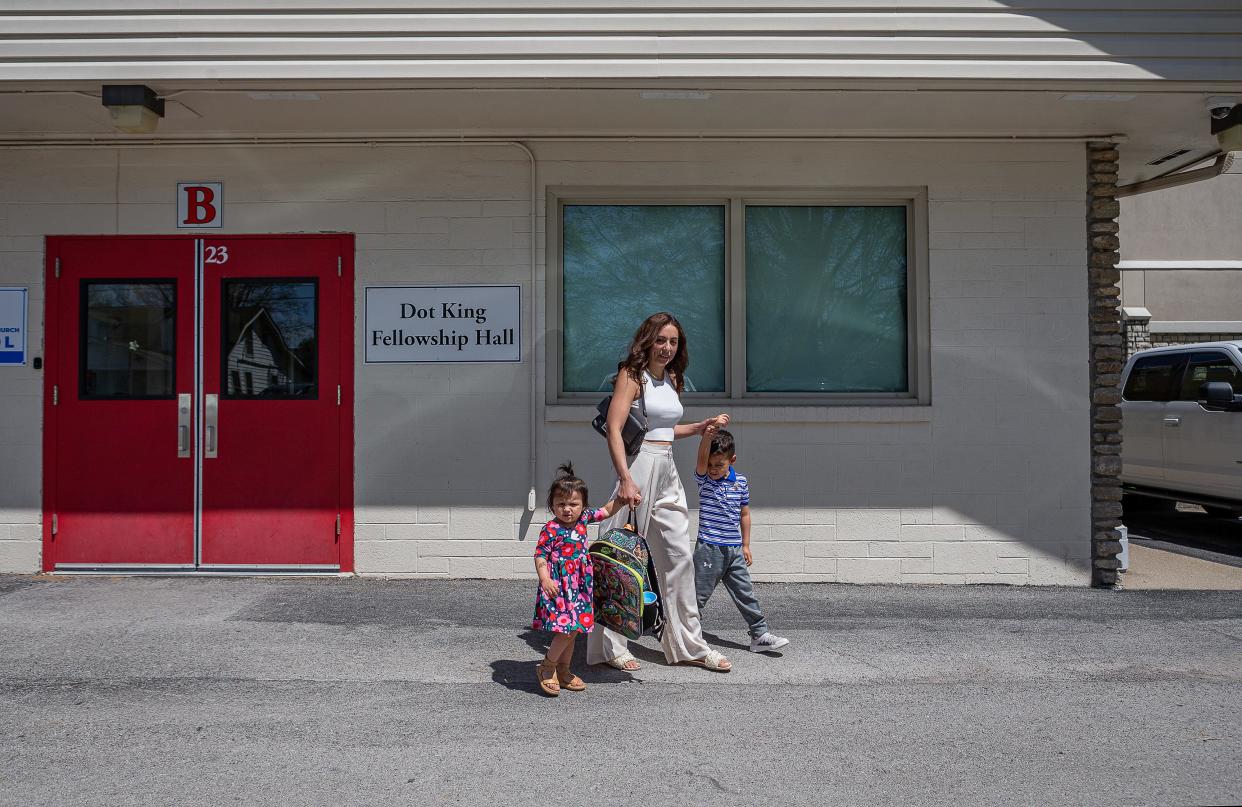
<point>135,108</point>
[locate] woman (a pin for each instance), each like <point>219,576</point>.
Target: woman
<point>649,482</point>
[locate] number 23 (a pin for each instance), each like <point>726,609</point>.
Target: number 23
<point>216,255</point>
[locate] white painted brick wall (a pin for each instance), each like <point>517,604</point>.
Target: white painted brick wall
<point>989,484</point>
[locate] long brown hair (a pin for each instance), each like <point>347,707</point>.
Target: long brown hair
<point>640,350</point>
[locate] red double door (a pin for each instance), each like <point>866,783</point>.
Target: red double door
<point>197,409</point>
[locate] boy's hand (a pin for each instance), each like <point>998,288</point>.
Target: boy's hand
<point>553,591</point>
<point>746,556</point>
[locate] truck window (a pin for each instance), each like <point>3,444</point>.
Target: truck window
<point>1151,378</point>
<point>1206,367</point>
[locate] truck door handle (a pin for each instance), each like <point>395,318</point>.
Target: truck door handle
<point>1172,421</point>
<point>211,419</point>
<point>183,425</point>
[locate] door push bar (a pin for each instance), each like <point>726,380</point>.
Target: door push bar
<point>211,419</point>
<point>183,425</point>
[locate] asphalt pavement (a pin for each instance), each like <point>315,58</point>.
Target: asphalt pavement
<point>262,691</point>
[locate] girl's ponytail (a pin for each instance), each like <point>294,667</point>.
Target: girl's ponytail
<point>567,484</point>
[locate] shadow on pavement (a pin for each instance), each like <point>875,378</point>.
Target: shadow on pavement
<point>520,675</point>
<point>1188,530</point>
<point>732,645</point>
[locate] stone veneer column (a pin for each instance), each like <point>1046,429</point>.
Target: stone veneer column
<point>1108,354</point>
<point>1136,331</point>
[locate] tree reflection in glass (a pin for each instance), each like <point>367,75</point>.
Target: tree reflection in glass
<point>269,339</point>
<point>826,299</point>
<point>623,263</point>
<point>128,335</point>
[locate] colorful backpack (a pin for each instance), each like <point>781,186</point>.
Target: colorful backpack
<point>626,593</point>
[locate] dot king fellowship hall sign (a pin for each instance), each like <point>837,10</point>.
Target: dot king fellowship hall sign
<point>409,324</point>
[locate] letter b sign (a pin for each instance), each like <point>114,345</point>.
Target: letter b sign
<point>200,205</point>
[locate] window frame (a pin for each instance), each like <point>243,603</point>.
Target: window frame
<point>735,200</point>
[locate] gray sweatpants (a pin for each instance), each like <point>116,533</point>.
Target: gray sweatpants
<point>712,564</point>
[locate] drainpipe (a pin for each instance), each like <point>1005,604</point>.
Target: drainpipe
<point>1229,162</point>
<point>536,414</point>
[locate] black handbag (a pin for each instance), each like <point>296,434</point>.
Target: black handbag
<point>634,430</point>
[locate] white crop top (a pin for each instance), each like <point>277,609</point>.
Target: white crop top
<point>664,409</point>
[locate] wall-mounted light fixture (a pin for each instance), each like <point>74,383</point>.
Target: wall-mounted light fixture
<point>135,108</point>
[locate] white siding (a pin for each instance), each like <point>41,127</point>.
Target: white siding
<point>966,40</point>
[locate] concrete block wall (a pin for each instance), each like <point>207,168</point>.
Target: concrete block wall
<point>23,196</point>
<point>988,484</point>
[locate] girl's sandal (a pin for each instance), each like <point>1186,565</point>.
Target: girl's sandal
<point>712,661</point>
<point>546,675</point>
<point>623,661</point>
<point>568,680</point>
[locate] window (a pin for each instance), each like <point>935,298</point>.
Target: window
<point>128,340</point>
<point>270,331</point>
<point>1152,377</point>
<point>826,299</point>
<point>625,262</point>
<point>790,298</point>
<point>1205,367</point>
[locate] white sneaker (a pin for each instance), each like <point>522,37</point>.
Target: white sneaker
<point>766,642</point>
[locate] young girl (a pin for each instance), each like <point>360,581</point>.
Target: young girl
<point>563,604</point>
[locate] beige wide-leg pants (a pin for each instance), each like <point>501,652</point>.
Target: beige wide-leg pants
<point>664,520</point>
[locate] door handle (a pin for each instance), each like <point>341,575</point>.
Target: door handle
<point>211,418</point>
<point>1172,421</point>
<point>183,425</point>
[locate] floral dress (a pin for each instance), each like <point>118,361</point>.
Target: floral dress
<point>569,566</point>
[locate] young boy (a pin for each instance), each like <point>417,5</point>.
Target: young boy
<point>723,549</point>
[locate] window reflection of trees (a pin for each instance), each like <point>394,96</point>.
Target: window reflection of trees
<point>625,262</point>
<point>826,299</point>
<point>128,337</point>
<point>270,336</point>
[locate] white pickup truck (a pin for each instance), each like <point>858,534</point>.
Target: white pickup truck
<point>1182,427</point>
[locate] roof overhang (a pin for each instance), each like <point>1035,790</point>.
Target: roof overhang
<point>1151,121</point>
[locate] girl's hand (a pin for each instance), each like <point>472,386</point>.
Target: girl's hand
<point>550,588</point>
<point>628,492</point>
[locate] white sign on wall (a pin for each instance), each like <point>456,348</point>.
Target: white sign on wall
<point>12,326</point>
<point>200,205</point>
<point>404,324</point>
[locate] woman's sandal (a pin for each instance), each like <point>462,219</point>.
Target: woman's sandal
<point>566,678</point>
<point>620,662</point>
<point>546,675</point>
<point>711,662</point>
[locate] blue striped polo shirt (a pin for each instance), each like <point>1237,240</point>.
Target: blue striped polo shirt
<point>720,508</point>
